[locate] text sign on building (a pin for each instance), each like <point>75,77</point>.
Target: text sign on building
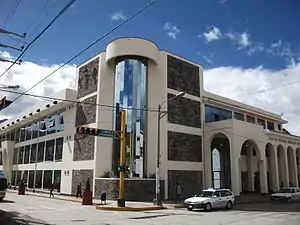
<point>284,141</point>
<point>106,133</point>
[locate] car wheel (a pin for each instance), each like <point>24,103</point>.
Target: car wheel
<point>190,209</point>
<point>1,199</point>
<point>207,207</point>
<point>229,205</point>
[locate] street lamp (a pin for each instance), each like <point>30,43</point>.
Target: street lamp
<point>159,117</point>
<point>9,86</point>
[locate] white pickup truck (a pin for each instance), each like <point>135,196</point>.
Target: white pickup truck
<point>289,194</point>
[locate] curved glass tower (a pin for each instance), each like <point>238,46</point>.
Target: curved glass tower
<point>131,95</point>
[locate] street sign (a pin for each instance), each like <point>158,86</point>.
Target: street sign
<point>107,133</point>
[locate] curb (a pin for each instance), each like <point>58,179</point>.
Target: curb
<point>129,209</point>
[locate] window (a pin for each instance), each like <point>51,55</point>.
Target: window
<point>12,135</point>
<point>22,135</point>
<point>239,116</point>
<point>216,164</point>
<point>51,124</point>
<point>43,128</point>
<point>47,179</point>
<point>21,153</point>
<point>28,133</point>
<point>31,179</point>
<point>213,114</point>
<point>17,138</point>
<point>59,149</point>
<point>57,178</point>
<point>49,154</point>
<point>261,122</point>
<point>60,123</point>
<point>33,153</point>
<point>39,175</point>
<point>1,160</point>
<point>279,126</point>
<point>41,149</point>
<point>35,130</point>
<point>25,176</point>
<point>15,158</point>
<point>270,125</point>
<point>13,177</point>
<point>250,119</point>
<point>26,154</point>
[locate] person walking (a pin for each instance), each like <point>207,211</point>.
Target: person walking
<point>178,191</point>
<point>51,190</point>
<point>78,191</point>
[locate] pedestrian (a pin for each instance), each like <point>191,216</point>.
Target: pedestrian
<point>78,191</point>
<point>178,191</point>
<point>103,198</point>
<point>51,190</point>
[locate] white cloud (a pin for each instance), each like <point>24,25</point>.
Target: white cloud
<point>118,16</point>
<point>29,73</point>
<point>242,40</point>
<point>250,85</point>
<point>172,30</point>
<point>212,35</point>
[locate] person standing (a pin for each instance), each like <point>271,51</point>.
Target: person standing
<point>78,191</point>
<point>178,191</point>
<point>51,190</point>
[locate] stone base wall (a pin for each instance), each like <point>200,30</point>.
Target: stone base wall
<point>135,189</point>
<point>81,176</point>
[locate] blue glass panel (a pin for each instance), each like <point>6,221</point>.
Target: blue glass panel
<point>213,114</point>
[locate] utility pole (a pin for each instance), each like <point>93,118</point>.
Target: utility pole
<point>121,199</point>
<point>2,31</point>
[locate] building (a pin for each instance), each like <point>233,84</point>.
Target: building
<point>206,140</point>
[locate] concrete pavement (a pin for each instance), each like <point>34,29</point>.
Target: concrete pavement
<point>50,211</point>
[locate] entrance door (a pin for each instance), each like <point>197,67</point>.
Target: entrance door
<point>256,182</point>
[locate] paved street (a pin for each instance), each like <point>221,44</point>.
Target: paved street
<point>35,210</point>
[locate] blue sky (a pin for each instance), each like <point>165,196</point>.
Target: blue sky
<point>262,24</point>
<point>250,49</point>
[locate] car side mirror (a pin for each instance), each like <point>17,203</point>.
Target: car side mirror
<point>214,196</point>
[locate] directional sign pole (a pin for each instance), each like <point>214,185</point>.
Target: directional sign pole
<point>121,199</point>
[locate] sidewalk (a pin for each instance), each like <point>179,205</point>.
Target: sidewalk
<point>110,205</point>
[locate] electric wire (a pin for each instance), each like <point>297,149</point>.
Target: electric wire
<point>78,102</point>
<point>11,14</point>
<point>89,46</point>
<point>39,35</point>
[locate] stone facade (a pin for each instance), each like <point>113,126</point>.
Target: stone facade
<point>84,147</point>
<point>184,147</point>
<point>184,111</point>
<point>183,76</point>
<point>81,176</point>
<point>135,189</point>
<point>88,78</point>
<point>191,182</point>
<point>86,113</point>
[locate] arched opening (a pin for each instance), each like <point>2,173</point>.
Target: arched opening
<point>282,167</point>
<point>271,168</point>
<point>298,164</point>
<point>292,167</point>
<point>220,161</point>
<point>250,168</point>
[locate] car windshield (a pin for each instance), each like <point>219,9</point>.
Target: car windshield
<point>205,194</point>
<point>285,190</point>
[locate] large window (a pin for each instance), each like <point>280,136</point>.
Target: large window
<point>15,158</point>
<point>213,114</point>
<point>31,179</point>
<point>28,132</point>
<point>270,125</point>
<point>250,119</point>
<point>49,153</point>
<point>59,149</point>
<point>27,154</point>
<point>41,149</point>
<point>39,180</point>
<point>131,92</point>
<point>21,155</point>
<point>57,178</point>
<point>33,153</point>
<point>239,116</point>
<point>23,134</point>
<point>261,122</point>
<point>17,136</point>
<point>47,179</point>
<point>35,130</point>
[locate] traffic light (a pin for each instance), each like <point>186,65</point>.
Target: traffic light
<point>87,130</point>
<point>123,168</point>
<point>4,103</point>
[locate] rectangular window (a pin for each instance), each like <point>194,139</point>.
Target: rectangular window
<point>261,122</point>
<point>1,160</point>
<point>28,133</point>
<point>41,150</point>
<point>27,154</point>
<point>21,153</point>
<point>15,158</point>
<point>250,119</point>
<point>270,125</point>
<point>43,128</point>
<point>22,135</point>
<point>17,139</point>
<point>239,116</point>
<point>59,149</point>
<point>51,125</point>
<point>49,155</point>
<point>279,126</point>
<point>33,153</point>
<point>214,114</point>
<point>19,176</point>
<point>35,130</point>
<point>60,123</point>
<point>39,175</point>
<point>13,177</point>
<point>25,177</point>
<point>12,135</point>
<point>57,178</point>
<point>47,179</point>
<point>31,179</point>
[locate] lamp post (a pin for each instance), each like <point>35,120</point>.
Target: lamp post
<point>159,117</point>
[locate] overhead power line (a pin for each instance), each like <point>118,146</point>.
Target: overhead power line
<point>74,101</point>
<point>11,13</point>
<point>39,35</point>
<point>88,47</point>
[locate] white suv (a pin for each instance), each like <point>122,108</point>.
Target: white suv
<point>211,198</point>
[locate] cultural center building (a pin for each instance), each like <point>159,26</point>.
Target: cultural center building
<point>206,140</point>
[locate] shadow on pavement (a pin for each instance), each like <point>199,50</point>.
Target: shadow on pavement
<point>7,201</point>
<point>268,207</point>
<point>14,218</point>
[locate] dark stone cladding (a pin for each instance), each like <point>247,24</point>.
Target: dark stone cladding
<point>81,176</point>
<point>88,78</point>
<point>135,189</point>
<point>184,111</point>
<point>86,113</point>
<point>84,147</point>
<point>191,182</point>
<point>183,76</point>
<point>184,147</point>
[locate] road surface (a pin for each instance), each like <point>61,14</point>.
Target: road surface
<point>36,211</point>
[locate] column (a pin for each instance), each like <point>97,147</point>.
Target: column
<point>274,172</point>
<point>285,170</point>
<point>235,174</point>
<point>251,169</point>
<point>263,176</point>
<point>295,170</point>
